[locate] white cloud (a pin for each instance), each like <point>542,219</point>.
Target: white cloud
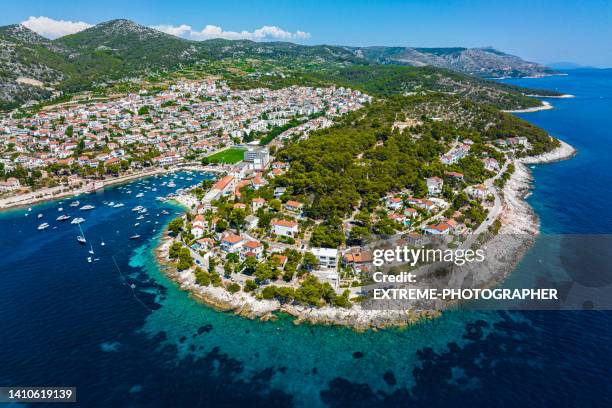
<point>50,28</point>
<point>213,31</point>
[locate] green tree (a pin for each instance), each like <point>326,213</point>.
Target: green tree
<point>233,287</point>
<point>310,262</point>
<point>174,250</point>
<point>176,225</point>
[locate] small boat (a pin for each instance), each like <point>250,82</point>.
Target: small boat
<point>89,259</point>
<point>165,212</point>
<point>140,217</point>
<point>63,217</point>
<point>102,243</point>
<point>60,209</point>
<point>136,236</point>
<point>81,238</point>
<point>87,207</point>
<point>144,210</point>
<point>118,205</point>
<point>137,224</point>
<point>91,251</point>
<point>139,195</point>
<point>40,216</point>
<point>171,184</point>
<point>77,220</point>
<point>75,204</point>
<point>137,208</point>
<point>29,209</point>
<point>111,204</point>
<point>43,226</point>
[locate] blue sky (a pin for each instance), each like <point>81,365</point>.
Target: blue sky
<point>543,31</point>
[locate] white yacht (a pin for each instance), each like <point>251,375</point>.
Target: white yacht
<point>87,207</point>
<point>75,204</point>
<point>77,220</point>
<point>43,226</point>
<point>63,217</point>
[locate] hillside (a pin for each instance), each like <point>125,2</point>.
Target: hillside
<point>483,62</point>
<point>32,67</point>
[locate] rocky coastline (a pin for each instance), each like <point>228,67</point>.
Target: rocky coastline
<point>519,227</point>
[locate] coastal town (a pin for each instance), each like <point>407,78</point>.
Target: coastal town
<point>247,241</point>
<point>82,144</point>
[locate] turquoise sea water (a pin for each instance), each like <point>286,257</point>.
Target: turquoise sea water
<point>124,335</point>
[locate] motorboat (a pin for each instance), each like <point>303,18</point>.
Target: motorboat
<point>137,208</point>
<point>63,217</point>
<point>43,226</point>
<point>87,207</point>
<point>75,204</point>
<point>77,220</point>
<point>136,236</point>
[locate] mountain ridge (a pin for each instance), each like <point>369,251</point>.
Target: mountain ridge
<point>121,48</point>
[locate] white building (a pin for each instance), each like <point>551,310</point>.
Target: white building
<point>434,185</point>
<point>285,228</point>
<point>327,257</point>
<point>257,158</point>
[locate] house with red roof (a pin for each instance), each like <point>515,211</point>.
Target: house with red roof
<point>284,227</point>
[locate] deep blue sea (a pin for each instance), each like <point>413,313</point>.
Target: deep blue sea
<point>124,335</point>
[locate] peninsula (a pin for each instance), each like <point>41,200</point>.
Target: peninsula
<point>318,151</point>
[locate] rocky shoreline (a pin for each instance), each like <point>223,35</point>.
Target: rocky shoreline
<point>563,152</point>
<point>544,106</point>
<point>519,227</point>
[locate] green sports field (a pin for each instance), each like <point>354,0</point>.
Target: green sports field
<point>231,156</point>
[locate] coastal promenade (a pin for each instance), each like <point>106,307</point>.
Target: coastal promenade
<point>89,186</point>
